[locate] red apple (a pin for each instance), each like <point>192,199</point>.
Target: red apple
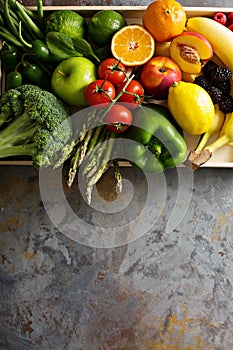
<point>158,74</point>
<point>190,50</point>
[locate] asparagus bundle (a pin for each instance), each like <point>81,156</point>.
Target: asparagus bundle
<point>90,153</point>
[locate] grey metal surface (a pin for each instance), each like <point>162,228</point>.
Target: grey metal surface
<point>205,3</point>
<point>162,290</point>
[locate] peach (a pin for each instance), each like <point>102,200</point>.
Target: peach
<point>189,50</point>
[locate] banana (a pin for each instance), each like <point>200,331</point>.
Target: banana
<point>219,36</point>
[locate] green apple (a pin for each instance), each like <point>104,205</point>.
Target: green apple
<point>70,78</point>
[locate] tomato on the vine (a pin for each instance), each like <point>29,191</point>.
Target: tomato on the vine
<point>135,95</point>
<point>99,92</point>
<point>118,119</point>
<point>112,70</point>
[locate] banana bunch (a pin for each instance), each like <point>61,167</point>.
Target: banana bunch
<point>219,36</point>
<point>223,126</point>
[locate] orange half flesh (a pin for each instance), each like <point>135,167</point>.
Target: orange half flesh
<point>133,45</point>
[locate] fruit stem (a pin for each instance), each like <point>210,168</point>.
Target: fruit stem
<point>60,72</point>
<point>176,83</point>
<point>100,89</point>
<point>117,97</point>
<point>137,96</point>
<point>115,67</point>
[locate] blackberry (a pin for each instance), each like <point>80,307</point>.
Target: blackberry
<point>222,74</point>
<point>224,86</point>
<point>226,104</point>
<point>202,81</point>
<point>209,70</point>
<point>215,94</point>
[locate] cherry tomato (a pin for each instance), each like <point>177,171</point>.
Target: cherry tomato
<point>135,95</point>
<point>99,92</point>
<point>112,70</point>
<point>118,119</point>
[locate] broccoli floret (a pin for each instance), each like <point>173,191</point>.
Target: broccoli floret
<point>11,105</point>
<point>38,124</point>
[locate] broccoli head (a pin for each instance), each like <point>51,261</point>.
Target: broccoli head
<point>35,123</point>
<point>10,106</point>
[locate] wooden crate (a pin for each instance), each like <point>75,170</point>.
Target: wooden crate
<point>222,158</point>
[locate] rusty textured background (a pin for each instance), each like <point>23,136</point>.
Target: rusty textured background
<point>163,291</point>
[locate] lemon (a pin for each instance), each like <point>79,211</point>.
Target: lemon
<point>103,25</point>
<point>67,22</point>
<point>191,107</point>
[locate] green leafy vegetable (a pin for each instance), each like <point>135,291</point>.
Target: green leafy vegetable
<point>83,46</point>
<point>61,45</point>
<point>103,52</point>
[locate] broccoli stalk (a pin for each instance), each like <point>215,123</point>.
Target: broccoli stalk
<point>18,150</point>
<point>19,130</point>
<point>35,123</point>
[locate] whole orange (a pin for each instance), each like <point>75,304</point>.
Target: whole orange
<point>164,19</point>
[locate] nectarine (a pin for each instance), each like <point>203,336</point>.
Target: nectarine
<point>189,50</point>
<point>158,74</point>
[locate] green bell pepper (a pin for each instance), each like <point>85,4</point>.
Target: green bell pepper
<point>154,141</point>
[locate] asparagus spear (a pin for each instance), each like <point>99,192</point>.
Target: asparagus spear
<point>118,176</point>
<point>104,164</point>
<point>79,136</point>
<point>95,151</point>
<point>73,168</point>
<point>94,180</point>
<point>78,157</point>
<point>94,163</point>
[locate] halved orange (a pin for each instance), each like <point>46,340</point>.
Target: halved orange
<point>133,45</point>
